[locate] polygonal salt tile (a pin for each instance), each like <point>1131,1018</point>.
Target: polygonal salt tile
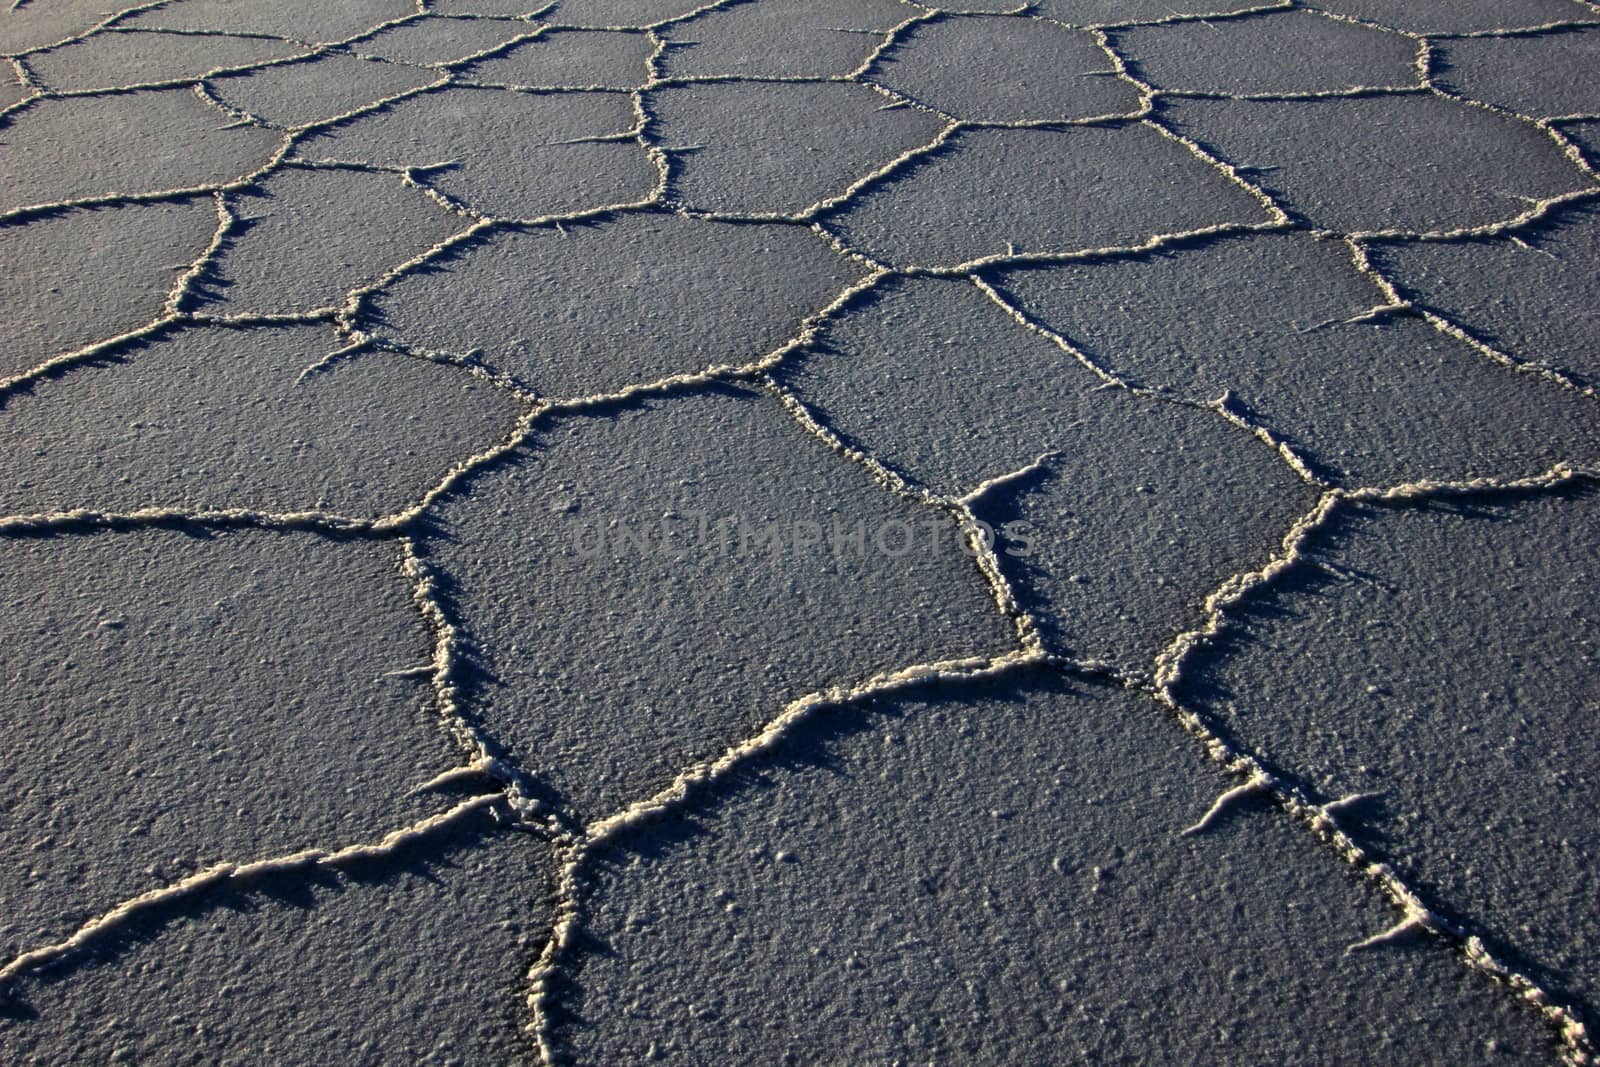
<point>125,143</point>
<point>510,154</point>
<point>1541,75</point>
<point>776,38</point>
<point>1412,163</point>
<point>316,90</point>
<point>779,147</point>
<point>117,58</point>
<point>648,586</point>
<point>1466,708</point>
<point>1287,52</point>
<point>310,236</point>
<point>420,957</point>
<point>1108,12</point>
<point>1461,16</point>
<point>629,300</point>
<point>298,20</point>
<point>617,60</point>
<point>433,41</point>
<point>1143,508</point>
<point>1005,69</point>
<point>209,418</point>
<point>1017,889</point>
<point>987,192</point>
<point>88,275</point>
<point>1530,296</point>
<point>1266,319</point>
<point>619,14</point>
<point>180,698</point>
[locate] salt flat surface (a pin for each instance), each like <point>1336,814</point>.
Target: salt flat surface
<point>755,531</point>
<point>1463,709</point>
<point>613,59</point>
<point>767,38</point>
<point>1019,889</point>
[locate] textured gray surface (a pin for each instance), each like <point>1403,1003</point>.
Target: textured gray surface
<point>315,90</point>
<point>89,275</point>
<point>757,147</point>
<point>31,26</point>
<point>1384,162</point>
<point>415,960</point>
<point>674,294</point>
<point>493,8</point>
<point>1019,892</point>
<point>304,20</point>
<point>618,13</point>
<point>238,709</point>
<point>305,238</point>
<point>770,38</point>
<point>654,541</point>
<point>1098,12</point>
<point>1288,52</point>
<point>1544,75</point>
<point>1552,321</point>
<point>989,191</point>
<point>1461,16</point>
<point>579,58</point>
<point>436,41</point>
<point>603,701</point>
<point>1267,320</point>
<point>1468,709</point>
<point>517,155</point>
<point>1005,70</point>
<point>1140,509</point>
<point>135,58</point>
<point>210,419</point>
<point>74,148</point>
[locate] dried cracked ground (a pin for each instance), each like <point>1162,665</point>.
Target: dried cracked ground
<point>842,531</point>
